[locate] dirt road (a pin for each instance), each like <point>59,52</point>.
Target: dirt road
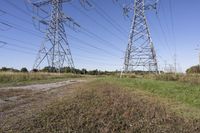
<point>44,87</point>
<point>18,103</point>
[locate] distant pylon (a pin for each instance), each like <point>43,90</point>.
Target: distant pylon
<point>140,53</point>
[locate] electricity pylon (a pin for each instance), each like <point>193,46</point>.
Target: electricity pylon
<point>140,53</point>
<point>55,47</point>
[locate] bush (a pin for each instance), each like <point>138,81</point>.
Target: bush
<point>34,70</point>
<point>194,69</point>
<point>24,69</point>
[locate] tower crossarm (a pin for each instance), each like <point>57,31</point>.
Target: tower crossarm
<point>66,18</point>
<point>46,2</point>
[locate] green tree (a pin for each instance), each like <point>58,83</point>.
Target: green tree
<point>24,69</point>
<point>193,69</point>
<point>84,71</point>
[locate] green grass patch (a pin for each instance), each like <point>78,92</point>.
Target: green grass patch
<point>185,93</point>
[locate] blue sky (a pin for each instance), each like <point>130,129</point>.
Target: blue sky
<point>178,29</point>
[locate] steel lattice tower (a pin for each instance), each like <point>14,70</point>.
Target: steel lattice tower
<point>140,53</point>
<point>55,47</point>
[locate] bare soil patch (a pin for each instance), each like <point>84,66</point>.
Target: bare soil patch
<point>43,87</point>
<point>19,103</point>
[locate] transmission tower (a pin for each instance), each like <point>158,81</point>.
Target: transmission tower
<point>55,48</point>
<point>140,53</point>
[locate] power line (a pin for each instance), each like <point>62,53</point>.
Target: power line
<point>92,53</point>
<point>122,7</point>
<point>96,22</point>
<point>101,13</point>
<point>29,49</point>
<point>173,32</point>
<point>19,46</point>
<point>7,26</point>
<point>164,35</point>
<point>163,30</point>
<point>21,28</point>
<point>85,58</point>
<point>18,8</point>
<point>28,30</point>
<point>79,40</point>
<point>21,41</point>
<point>92,46</point>
<point>98,37</point>
<point>19,51</point>
<point>59,51</point>
<point>87,31</point>
<point>172,23</point>
<point>172,18</point>
<point>112,21</point>
<point>95,61</point>
<point>88,57</point>
<point>2,44</point>
<point>16,45</point>
<point>17,17</point>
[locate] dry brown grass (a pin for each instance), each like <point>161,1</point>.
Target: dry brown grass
<point>102,107</point>
<point>18,78</point>
<point>186,78</point>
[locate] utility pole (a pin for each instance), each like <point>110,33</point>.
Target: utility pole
<point>175,64</point>
<point>55,47</point>
<point>199,61</point>
<point>198,49</point>
<point>140,53</point>
<point>165,66</point>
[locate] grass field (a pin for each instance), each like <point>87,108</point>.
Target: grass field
<point>183,94</point>
<point>16,79</point>
<point>112,104</point>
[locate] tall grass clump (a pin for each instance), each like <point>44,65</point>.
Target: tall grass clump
<point>180,77</point>
<point>168,77</point>
<point>186,78</point>
<point>190,78</point>
<point>9,77</point>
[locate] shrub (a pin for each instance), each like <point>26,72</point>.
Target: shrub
<point>24,69</point>
<point>193,69</point>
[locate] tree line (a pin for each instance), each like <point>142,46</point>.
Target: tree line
<point>61,70</point>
